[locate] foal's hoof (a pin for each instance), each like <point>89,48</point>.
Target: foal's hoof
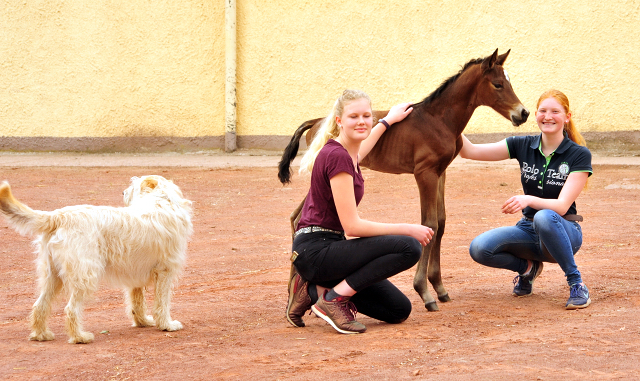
<point>444,298</point>
<point>431,306</point>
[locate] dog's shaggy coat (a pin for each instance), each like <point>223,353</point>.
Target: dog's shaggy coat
<point>141,244</point>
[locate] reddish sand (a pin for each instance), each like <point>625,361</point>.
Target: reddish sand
<point>232,294</point>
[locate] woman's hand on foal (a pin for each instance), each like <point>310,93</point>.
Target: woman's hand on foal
<point>422,233</point>
<point>398,112</point>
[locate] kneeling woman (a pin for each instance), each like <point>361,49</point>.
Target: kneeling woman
<point>554,168</point>
<point>336,276</point>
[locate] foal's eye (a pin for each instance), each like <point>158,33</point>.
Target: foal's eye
<point>498,86</point>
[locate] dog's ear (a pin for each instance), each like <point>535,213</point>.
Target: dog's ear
<point>147,185</point>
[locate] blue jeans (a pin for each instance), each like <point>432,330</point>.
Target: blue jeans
<point>548,238</point>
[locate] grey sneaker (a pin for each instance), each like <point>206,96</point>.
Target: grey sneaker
<point>299,300</point>
<point>340,313</point>
<point>524,283</point>
<point>578,297</point>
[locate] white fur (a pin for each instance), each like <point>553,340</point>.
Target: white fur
<point>141,244</point>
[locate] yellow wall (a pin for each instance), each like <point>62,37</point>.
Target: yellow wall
<point>296,63</point>
<point>111,68</point>
<point>156,68</point>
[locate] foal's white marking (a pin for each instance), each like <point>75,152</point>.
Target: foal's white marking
<point>507,75</point>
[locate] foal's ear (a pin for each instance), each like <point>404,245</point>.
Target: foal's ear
<point>487,63</point>
<point>502,58</point>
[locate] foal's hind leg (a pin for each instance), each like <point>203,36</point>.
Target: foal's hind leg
<point>137,308</point>
<point>294,218</point>
<point>50,286</point>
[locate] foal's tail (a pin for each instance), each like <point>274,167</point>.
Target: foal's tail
<point>284,167</point>
<point>25,220</point>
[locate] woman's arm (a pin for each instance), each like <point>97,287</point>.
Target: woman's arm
<point>354,226</point>
<point>487,152</point>
<point>570,191</point>
<point>395,115</point>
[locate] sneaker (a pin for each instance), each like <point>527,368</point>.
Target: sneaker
<point>299,300</point>
<point>578,297</point>
<point>340,313</point>
<point>524,283</point>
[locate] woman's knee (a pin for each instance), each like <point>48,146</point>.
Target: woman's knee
<point>545,217</point>
<point>400,313</point>
<point>414,249</point>
<point>478,250</point>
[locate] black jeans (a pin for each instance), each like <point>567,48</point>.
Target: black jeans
<point>326,259</point>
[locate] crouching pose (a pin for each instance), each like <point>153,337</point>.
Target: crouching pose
<point>335,276</point>
<point>554,167</point>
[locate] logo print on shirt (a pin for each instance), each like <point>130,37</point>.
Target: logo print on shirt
<point>529,173</point>
<point>564,169</point>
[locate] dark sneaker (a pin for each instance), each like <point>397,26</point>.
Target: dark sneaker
<point>578,297</point>
<point>340,313</point>
<point>299,300</point>
<point>524,283</point>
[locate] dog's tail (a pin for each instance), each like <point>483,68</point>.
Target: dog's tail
<point>22,218</point>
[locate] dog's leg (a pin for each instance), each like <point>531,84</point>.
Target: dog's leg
<point>137,308</point>
<point>81,285</point>
<point>74,319</point>
<point>50,285</point>
<point>162,302</point>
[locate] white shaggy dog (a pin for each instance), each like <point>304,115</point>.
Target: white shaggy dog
<point>131,247</point>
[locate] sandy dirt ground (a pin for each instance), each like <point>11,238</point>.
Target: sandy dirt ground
<point>232,294</point>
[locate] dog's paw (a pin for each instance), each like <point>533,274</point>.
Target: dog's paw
<point>42,336</point>
<point>82,338</point>
<point>173,325</point>
<point>147,321</point>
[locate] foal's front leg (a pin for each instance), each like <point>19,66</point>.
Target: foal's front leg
<point>434,272</point>
<point>428,188</point>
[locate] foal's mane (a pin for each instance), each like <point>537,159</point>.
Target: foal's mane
<point>436,94</point>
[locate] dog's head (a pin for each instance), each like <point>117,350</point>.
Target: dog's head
<point>157,187</point>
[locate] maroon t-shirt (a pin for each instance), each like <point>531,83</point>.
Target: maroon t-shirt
<point>319,208</point>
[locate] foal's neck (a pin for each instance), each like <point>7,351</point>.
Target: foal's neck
<point>458,101</point>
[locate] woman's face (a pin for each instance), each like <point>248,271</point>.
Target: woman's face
<point>551,116</point>
<point>356,120</point>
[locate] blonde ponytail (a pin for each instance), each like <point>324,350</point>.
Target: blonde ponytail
<point>329,128</point>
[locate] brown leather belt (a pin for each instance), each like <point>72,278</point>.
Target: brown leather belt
<point>568,217</point>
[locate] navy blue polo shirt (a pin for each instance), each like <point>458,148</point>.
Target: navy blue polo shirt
<point>543,176</point>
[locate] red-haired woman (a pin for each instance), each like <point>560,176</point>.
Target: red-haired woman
<point>554,167</point>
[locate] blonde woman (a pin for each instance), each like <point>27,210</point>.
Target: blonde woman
<point>337,276</point>
<point>554,168</point>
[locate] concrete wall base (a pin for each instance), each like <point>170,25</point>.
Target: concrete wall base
<point>619,143</point>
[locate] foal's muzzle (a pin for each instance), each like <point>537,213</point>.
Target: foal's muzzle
<point>520,116</point>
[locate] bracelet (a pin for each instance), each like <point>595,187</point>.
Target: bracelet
<point>384,122</point>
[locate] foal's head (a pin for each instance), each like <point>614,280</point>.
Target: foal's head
<point>494,90</point>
